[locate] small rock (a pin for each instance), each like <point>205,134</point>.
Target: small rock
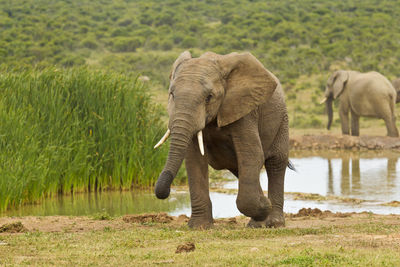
<point>144,78</point>
<point>187,247</point>
<point>254,249</point>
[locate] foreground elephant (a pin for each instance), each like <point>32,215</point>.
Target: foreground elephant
<point>396,85</point>
<point>237,107</point>
<point>361,94</point>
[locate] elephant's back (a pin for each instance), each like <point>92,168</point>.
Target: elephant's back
<point>396,84</point>
<point>370,94</point>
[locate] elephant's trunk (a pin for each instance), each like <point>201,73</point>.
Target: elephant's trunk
<point>329,111</point>
<point>181,135</point>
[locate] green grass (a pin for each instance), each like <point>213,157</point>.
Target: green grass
<point>74,130</point>
<point>155,244</point>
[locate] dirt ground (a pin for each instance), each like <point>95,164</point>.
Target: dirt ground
<point>311,238</point>
<point>305,218</point>
<point>346,142</point>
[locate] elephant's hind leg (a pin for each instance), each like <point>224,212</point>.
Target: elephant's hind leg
<point>390,120</point>
<point>276,167</point>
<point>391,127</point>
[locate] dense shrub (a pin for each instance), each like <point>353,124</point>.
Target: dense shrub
<point>297,37</point>
<point>75,130</point>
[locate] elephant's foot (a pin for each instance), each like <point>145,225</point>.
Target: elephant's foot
<point>393,134</point>
<point>200,223</point>
<point>255,224</point>
<point>257,208</point>
<point>275,219</point>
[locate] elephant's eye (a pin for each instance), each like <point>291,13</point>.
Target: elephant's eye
<point>208,98</point>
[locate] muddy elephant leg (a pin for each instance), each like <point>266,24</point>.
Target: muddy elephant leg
<point>250,157</point>
<point>355,126</point>
<point>344,119</point>
<point>197,171</point>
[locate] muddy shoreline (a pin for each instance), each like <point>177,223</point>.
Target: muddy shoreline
<point>344,142</point>
<point>74,224</point>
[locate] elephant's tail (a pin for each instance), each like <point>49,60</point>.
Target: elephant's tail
<point>291,166</point>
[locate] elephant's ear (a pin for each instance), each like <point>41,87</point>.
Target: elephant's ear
<point>340,78</point>
<point>182,57</point>
<point>248,84</point>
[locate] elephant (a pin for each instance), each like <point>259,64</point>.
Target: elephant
<point>396,85</point>
<point>367,94</point>
<point>227,111</point>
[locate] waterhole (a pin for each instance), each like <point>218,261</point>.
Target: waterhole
<point>340,181</point>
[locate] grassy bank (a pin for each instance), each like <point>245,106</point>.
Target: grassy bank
<point>74,130</point>
<point>345,240</point>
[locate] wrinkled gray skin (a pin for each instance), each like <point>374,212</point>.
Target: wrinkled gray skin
<point>361,94</point>
<point>396,85</point>
<point>239,106</point>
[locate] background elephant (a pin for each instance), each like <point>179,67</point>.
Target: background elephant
<point>237,107</point>
<point>361,94</point>
<point>396,85</point>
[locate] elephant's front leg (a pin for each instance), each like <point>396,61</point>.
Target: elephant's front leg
<point>197,171</point>
<point>355,126</point>
<point>250,157</point>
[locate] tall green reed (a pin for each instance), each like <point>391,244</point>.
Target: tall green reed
<point>66,130</point>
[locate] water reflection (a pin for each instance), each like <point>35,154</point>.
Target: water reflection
<point>112,203</point>
<point>362,175</point>
<point>376,178</point>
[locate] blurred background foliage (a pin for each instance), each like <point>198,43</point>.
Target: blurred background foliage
<point>300,41</point>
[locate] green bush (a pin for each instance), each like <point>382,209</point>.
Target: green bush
<point>89,43</point>
<point>126,44</point>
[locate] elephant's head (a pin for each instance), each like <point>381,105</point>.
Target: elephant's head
<point>211,87</point>
<point>334,87</point>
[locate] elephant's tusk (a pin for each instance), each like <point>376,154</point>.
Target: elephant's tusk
<point>162,140</point>
<point>323,100</point>
<point>200,139</point>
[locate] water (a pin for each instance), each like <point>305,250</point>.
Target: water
<point>114,203</point>
<point>374,179</point>
<point>370,176</point>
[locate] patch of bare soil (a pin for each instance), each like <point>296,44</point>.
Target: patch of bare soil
<point>148,218</point>
<point>63,223</point>
<point>187,247</point>
<point>16,227</point>
<point>309,212</point>
<point>347,142</point>
<point>305,218</point>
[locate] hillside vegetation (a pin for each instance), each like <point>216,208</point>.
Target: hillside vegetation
<point>300,41</point>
